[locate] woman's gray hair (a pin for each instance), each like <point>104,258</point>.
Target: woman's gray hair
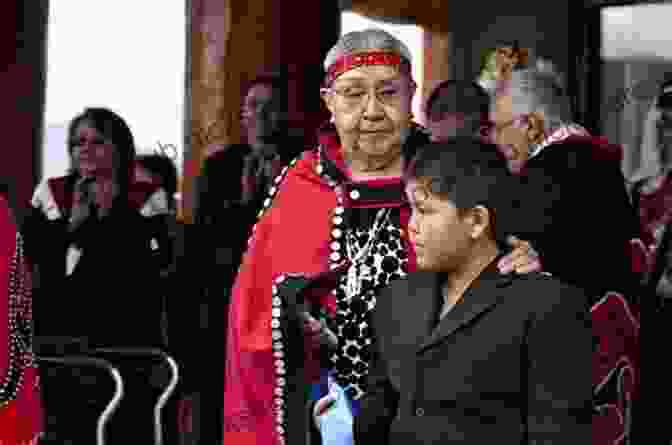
<point>368,39</point>
<point>540,88</point>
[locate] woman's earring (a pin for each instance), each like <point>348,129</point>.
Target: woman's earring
<point>332,119</point>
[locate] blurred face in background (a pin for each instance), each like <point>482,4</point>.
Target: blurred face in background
<point>511,131</point>
<point>443,125</point>
<point>92,153</point>
<point>263,114</point>
<point>144,175</point>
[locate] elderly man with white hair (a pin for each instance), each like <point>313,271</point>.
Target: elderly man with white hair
<point>572,184</point>
<point>578,215</point>
<point>331,235</point>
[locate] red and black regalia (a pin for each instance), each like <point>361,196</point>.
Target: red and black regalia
<point>20,404</point>
<point>316,219</point>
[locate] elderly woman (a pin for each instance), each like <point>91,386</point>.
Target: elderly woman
<point>339,208</point>
<point>20,406</point>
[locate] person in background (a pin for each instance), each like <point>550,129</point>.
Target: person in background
<point>567,175</point>
<point>21,416</point>
<point>572,194</point>
<point>463,353</point>
<point>234,180</point>
<point>181,314</point>
<point>90,237</point>
<point>160,171</point>
<point>230,192</point>
<point>457,108</point>
<point>338,213</point>
<point>74,218</point>
<point>652,195</point>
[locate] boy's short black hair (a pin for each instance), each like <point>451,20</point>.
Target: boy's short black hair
<point>468,172</point>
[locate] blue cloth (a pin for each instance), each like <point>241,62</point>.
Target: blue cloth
<point>336,422</point>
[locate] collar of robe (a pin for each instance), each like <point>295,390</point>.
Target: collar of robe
<point>374,192</point>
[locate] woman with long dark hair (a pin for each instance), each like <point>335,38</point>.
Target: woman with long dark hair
<point>92,239</point>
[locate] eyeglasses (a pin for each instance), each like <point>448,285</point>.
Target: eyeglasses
<point>356,96</point>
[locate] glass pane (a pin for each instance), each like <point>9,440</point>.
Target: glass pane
<point>636,57</point>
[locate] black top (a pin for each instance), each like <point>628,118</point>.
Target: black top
<point>112,297</point>
<point>224,223</point>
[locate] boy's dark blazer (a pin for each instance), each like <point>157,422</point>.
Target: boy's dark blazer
<point>509,364</point>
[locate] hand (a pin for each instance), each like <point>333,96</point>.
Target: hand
<point>312,329</point>
<point>524,259</point>
<point>317,332</point>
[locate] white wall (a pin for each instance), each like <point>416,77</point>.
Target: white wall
<point>126,55</point>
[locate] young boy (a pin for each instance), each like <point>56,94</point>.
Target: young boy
<point>465,354</point>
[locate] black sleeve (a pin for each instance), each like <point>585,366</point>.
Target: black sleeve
<point>223,223</point>
<point>593,223</point>
<point>560,358</point>
<point>119,256</point>
<point>380,403</point>
<point>611,204</point>
<point>43,238</point>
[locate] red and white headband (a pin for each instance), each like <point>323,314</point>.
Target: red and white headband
<point>368,58</point>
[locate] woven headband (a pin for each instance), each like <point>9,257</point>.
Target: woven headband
<point>352,61</point>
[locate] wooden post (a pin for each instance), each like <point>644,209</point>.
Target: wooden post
<point>231,42</point>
